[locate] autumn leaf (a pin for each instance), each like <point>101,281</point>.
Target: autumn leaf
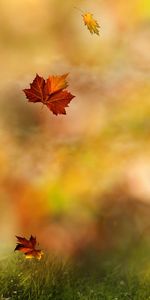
<point>51,93</point>
<point>56,83</point>
<point>91,23</point>
<point>28,247</point>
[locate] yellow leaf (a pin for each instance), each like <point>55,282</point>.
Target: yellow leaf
<point>91,23</point>
<point>34,254</point>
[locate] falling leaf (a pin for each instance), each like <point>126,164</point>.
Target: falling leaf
<point>91,23</point>
<point>51,92</point>
<point>28,247</point>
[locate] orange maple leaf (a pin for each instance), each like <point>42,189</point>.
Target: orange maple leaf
<point>28,247</point>
<point>51,92</point>
<point>91,23</point>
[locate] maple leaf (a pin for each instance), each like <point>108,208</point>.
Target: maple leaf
<point>36,93</point>
<point>56,83</point>
<point>51,92</point>
<point>28,247</point>
<point>91,23</point>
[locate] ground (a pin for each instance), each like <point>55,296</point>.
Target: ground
<point>115,276</point>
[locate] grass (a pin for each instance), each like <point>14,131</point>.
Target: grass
<point>107,277</point>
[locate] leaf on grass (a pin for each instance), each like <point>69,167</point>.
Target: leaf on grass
<point>51,92</point>
<point>91,23</point>
<point>28,247</point>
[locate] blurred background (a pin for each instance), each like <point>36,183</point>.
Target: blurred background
<point>80,182</point>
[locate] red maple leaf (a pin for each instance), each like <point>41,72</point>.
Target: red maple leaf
<point>28,247</point>
<point>51,92</point>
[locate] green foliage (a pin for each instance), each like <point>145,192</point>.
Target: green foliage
<point>115,277</point>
